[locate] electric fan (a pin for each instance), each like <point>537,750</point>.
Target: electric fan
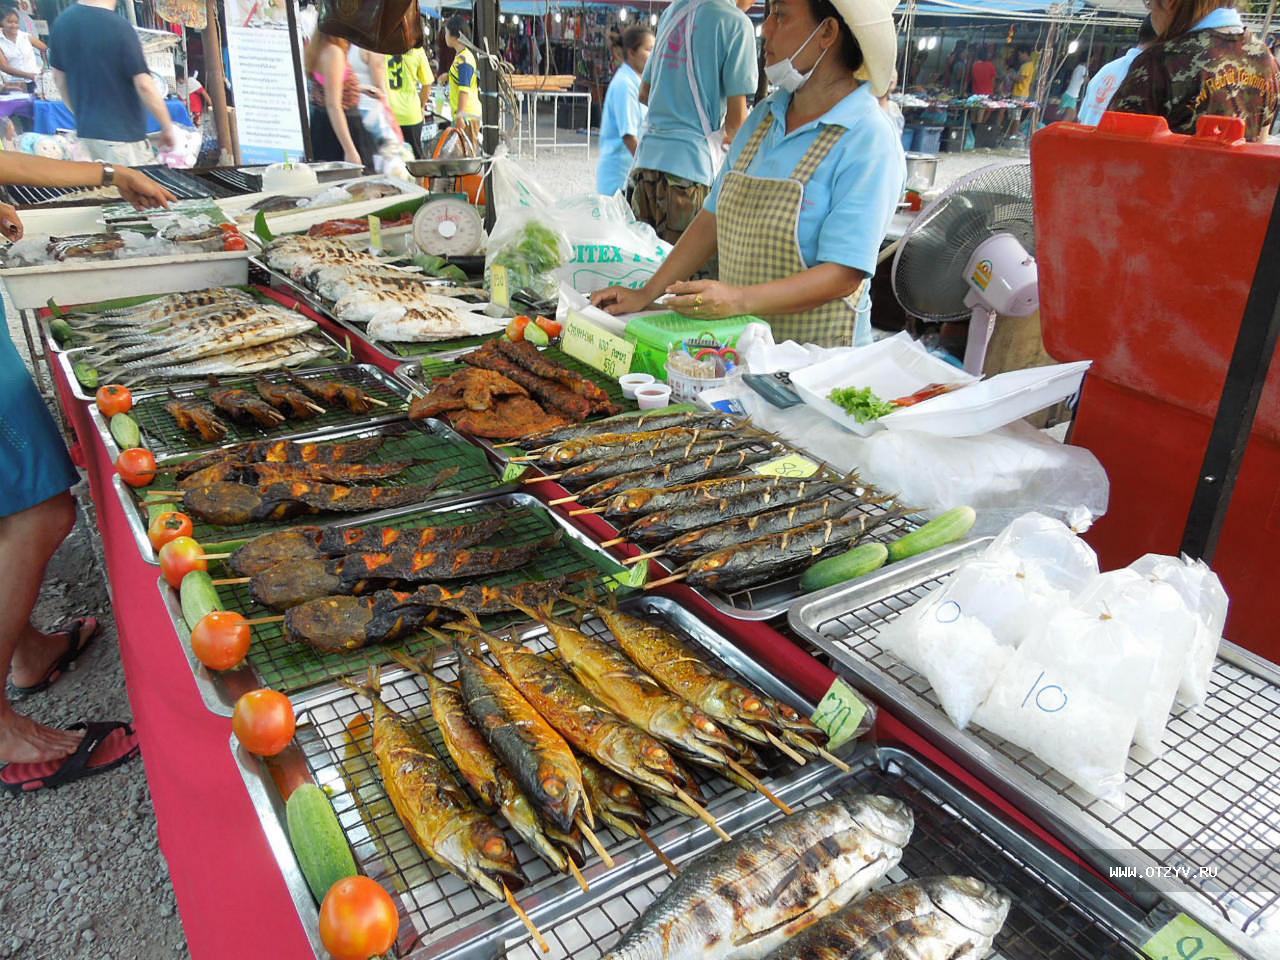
<point>970,253</point>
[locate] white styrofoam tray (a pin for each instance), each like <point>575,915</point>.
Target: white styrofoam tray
<point>992,403</point>
<point>894,367</point>
<point>291,221</point>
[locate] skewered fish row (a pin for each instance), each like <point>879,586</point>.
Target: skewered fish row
<point>749,896</point>
<point>239,331</point>
<point>291,401</point>
<point>720,536</point>
<point>260,473</point>
<point>625,423</point>
<point>436,812</point>
<point>655,454</point>
<point>641,501</point>
<point>334,392</point>
<point>196,416</point>
<point>207,330</point>
<point>240,404</point>
<point>680,471</point>
<point>285,451</point>
<point>276,355</point>
<point>571,453</point>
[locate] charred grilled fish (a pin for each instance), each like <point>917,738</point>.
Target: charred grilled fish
<point>695,543</point>
<point>257,474</point>
<point>292,401</point>
<point>340,540</point>
<point>342,624</point>
<point>574,452</point>
<point>335,392</point>
<point>745,898</point>
<point>652,456</point>
<point>937,918</point>
<point>196,416</point>
<point>536,755</point>
<point>242,405</point>
<point>286,451</point>
<point>264,552</point>
<point>641,501</point>
<point>435,811</point>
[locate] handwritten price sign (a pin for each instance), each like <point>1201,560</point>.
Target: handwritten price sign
<point>839,714</point>
<point>595,346</point>
<point>1184,939</point>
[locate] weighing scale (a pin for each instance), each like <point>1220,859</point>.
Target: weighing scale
<point>447,225</point>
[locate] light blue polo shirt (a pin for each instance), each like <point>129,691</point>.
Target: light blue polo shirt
<point>622,115</point>
<point>851,198</point>
<point>724,62</point>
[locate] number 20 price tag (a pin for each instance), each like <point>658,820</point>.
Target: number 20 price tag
<point>839,714</point>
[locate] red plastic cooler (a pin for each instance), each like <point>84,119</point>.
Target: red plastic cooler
<point>1147,243</point>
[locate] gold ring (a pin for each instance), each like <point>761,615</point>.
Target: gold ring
<point>697,301</point>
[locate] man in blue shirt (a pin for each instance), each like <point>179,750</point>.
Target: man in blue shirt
<point>1097,96</point>
<point>623,114</point>
<point>696,87</point>
<point>102,76</point>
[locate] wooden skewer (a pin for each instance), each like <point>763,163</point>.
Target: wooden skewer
<point>614,542</point>
<point>544,476</point>
<point>262,620</point>
<point>230,581</point>
<point>702,814</point>
<point>575,513</point>
<point>377,402</point>
<point>657,851</point>
<point>166,493</point>
<point>643,556</point>
<point>783,748</point>
<point>506,443</point>
<point>835,761</point>
<point>315,406</point>
<point>747,775</point>
<point>215,556</point>
<point>529,459</point>
<point>524,918</point>
<point>596,845</point>
<point>577,875</point>
<point>674,578</point>
<point>559,500</point>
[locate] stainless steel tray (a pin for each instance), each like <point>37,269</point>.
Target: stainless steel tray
<point>477,475</point>
<point>1201,827</point>
<point>220,689</point>
<point>359,374</point>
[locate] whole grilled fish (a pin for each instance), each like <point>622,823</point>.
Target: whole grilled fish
<point>536,755</point>
<point>435,811</point>
<point>481,526</point>
<point>670,452</point>
<point>679,471</point>
<point>290,352</point>
<point>718,536</point>
<point>936,918</point>
<point>428,323</point>
<point>747,897</point>
<point>571,453</point>
<point>259,328</point>
<point>625,423</point>
<point>286,451</point>
<point>613,800</point>
<point>162,308</point>
<point>195,334</point>
<point>481,768</point>
<point>640,501</point>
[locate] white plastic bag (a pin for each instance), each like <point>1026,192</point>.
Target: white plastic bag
<point>957,654</point>
<point>1071,695</point>
<point>513,186</point>
<point>1202,592</point>
<point>1001,474</point>
<point>1050,546</point>
<point>528,242</point>
<point>609,246</point>
<point>1009,597</point>
<point>1161,621</point>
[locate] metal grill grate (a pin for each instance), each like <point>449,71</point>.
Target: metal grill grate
<point>1207,806</point>
<point>291,667</point>
<point>182,185</point>
<point>165,439</point>
<point>335,737</point>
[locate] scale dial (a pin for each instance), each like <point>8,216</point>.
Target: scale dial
<point>448,227</point>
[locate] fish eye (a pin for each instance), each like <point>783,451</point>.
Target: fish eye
<point>553,786</point>
<point>495,847</point>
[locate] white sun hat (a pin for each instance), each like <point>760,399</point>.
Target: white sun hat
<point>872,24</point>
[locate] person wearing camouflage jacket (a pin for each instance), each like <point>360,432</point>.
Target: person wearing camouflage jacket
<point>1215,68</point>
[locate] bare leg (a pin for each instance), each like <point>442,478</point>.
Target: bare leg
<point>27,541</point>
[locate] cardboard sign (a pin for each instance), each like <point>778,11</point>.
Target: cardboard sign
<point>375,233</point>
<point>595,346</point>
<point>792,465</point>
<point>1184,939</point>
<point>839,713</point>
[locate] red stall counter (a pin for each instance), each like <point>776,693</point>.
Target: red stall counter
<point>1147,243</point>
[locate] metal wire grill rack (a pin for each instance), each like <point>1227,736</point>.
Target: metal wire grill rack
<point>1205,811</point>
<point>290,667</point>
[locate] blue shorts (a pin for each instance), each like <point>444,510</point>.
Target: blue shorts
<point>34,465</point>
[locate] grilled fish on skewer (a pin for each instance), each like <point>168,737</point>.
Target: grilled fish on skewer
<point>669,474</point>
<point>242,405</point>
<point>435,811</point>
<point>536,755</point>
<point>627,691</point>
<point>340,540</point>
<point>746,897</point>
<point>290,400</point>
<point>260,473</point>
<point>612,799</point>
<point>574,453</point>
<point>655,420</point>
<point>196,416</point>
<point>482,769</point>
<point>652,457</point>
<point>641,501</point>
<point>343,624</point>
<point>286,451</point>
<point>264,552</point>
<point>290,352</point>
<point>718,536</point>
<point>335,392</point>
<point>936,918</point>
<point>585,722</point>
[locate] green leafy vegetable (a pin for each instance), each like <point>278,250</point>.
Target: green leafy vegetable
<point>860,403</point>
<point>531,256</point>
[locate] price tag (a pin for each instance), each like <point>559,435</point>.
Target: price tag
<point>595,346</point>
<point>839,713</point>
<point>499,286</point>
<point>375,233</point>
<point>792,465</point>
<point>513,472</point>
<point>1184,939</point>
<point>634,576</point>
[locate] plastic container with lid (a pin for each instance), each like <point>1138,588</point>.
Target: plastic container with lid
<point>655,333</point>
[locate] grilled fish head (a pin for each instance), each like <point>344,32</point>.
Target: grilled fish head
<point>223,504</point>
<point>886,817</point>
<point>973,904</point>
<point>477,849</point>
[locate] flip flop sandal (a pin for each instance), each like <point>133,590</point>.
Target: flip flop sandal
<point>77,646</point>
<point>104,747</point>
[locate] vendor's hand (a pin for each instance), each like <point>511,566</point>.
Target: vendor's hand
<point>10,224</point>
<point>353,156</point>
<point>705,299</point>
<point>620,300</point>
<point>140,190</point>
<point>168,139</point>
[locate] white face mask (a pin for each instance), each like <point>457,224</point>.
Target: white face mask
<point>784,74</point>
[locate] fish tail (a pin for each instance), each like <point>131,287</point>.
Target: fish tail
<point>371,689</point>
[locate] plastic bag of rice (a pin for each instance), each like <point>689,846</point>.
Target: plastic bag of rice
<point>1066,561</point>
<point>1010,596</point>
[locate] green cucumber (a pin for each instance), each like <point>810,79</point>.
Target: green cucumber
<point>86,374</point>
<point>61,331</point>
<point>941,530</point>
<point>857,562</point>
<point>125,431</point>
<point>199,597</point>
<point>536,335</point>
<point>317,840</point>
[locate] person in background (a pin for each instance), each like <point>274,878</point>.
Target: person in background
<point>955,75</point>
<point>409,80</point>
<point>622,116</point>
<point>36,514</point>
<point>103,78</point>
<point>1105,83</point>
<point>696,87</point>
<point>1203,63</point>
<point>464,83</point>
<point>1071,95</point>
<point>1026,74</point>
<point>18,58</point>
<point>337,130</point>
<point>982,78</point>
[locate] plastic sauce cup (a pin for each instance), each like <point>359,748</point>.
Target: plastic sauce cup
<point>630,382</point>
<point>653,396</point>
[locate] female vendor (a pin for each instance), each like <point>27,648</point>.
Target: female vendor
<point>812,180</point>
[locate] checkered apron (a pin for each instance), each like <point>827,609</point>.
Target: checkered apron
<point>757,221</point>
